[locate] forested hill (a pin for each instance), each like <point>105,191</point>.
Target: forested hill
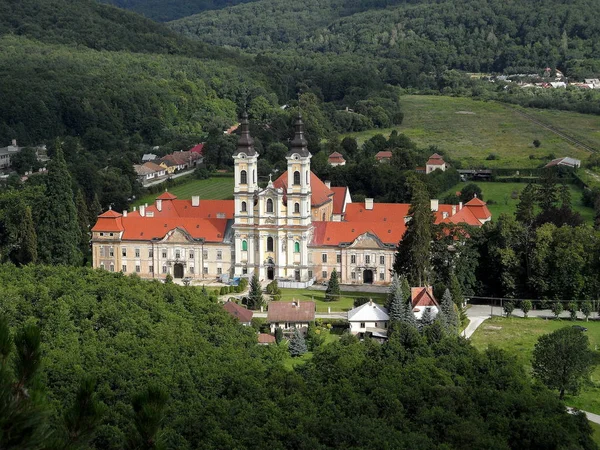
<point>473,35</point>
<point>87,23</point>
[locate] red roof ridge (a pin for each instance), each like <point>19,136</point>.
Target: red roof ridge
<point>111,214</point>
<point>166,196</point>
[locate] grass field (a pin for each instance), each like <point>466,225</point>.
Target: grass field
<point>470,130</point>
<point>518,336</point>
<point>501,194</point>
<point>345,303</point>
<point>218,188</point>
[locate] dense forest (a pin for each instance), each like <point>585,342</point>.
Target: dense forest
<point>224,391</point>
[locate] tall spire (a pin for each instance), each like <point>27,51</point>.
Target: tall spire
<point>245,142</point>
<point>299,144</point>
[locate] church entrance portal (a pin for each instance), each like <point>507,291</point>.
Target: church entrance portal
<point>368,277</point>
<point>270,273</point>
<point>178,271</point>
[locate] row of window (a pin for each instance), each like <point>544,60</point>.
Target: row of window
<point>109,251</point>
<point>352,275</point>
<point>270,245</point>
<point>244,177</point>
<point>353,259</point>
<point>244,207</point>
<point>164,269</point>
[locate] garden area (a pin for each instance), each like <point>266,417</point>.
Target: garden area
<point>215,188</point>
<point>344,302</point>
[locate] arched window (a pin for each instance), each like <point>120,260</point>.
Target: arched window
<point>296,177</point>
<point>296,207</point>
<point>296,247</point>
<point>269,244</point>
<point>244,207</point>
<point>243,177</point>
<point>269,205</point>
<point>244,245</point>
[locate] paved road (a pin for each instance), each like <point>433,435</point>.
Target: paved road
<point>176,175</point>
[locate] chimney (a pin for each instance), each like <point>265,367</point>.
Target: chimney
<point>444,215</point>
<point>370,302</point>
<point>435,204</point>
<point>453,209</point>
<point>142,210</point>
<point>459,206</point>
<point>14,142</point>
<point>134,208</point>
<point>124,213</point>
<point>368,203</point>
<point>159,204</point>
<point>195,200</point>
<point>328,184</point>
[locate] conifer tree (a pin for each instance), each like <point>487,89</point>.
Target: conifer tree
<point>397,309</point>
<point>82,418</point>
<point>278,335</point>
<point>409,316</point>
<point>458,297</point>
<point>448,313</point>
<point>255,297</point>
<point>27,239</point>
<point>149,412</point>
<point>394,286</point>
<point>426,318</point>
<point>95,209</point>
<point>83,219</point>
<point>58,230</point>
<point>333,287</point>
<point>413,257</point>
<point>297,346</point>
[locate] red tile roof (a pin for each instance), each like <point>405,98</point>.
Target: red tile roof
<point>239,312</point>
<point>334,233</point>
<point>166,196</point>
<point>264,338</point>
<point>422,296</point>
<point>320,193</point>
<point>383,154</point>
<point>197,148</point>
<point>110,221</point>
<point>148,228</point>
<point>336,157</point>
<point>208,209</point>
<point>435,160</point>
<point>339,195</point>
<point>381,212</point>
<point>291,312</point>
<point>478,208</point>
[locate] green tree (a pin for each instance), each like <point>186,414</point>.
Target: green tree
<point>526,307</point>
<point>562,359</point>
<point>333,288</point>
<point>83,417</point>
<point>572,307</point>
<point>278,335</point>
<point>58,232</point>
<point>255,297</point>
<point>149,408</point>
<point>426,319</point>
<point>586,309</point>
<point>448,314</point>
<point>314,338</point>
<point>413,257</point>
<point>297,345</point>
<point>83,219</point>
<point>468,192</point>
<point>508,308</point>
<point>557,309</point>
<point>525,212</point>
<point>26,240</point>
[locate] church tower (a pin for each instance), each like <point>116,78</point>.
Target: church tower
<point>298,178</point>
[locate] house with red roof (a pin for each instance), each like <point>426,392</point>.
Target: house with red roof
<point>243,315</point>
<point>435,162</point>
<point>149,171</point>
<point>384,156</point>
<point>422,298</point>
<point>296,230</point>
<point>336,159</point>
<point>290,315</point>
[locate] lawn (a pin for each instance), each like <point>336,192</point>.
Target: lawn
<point>470,130</point>
<point>518,336</point>
<point>217,188</point>
<point>345,302</point>
<point>290,363</point>
<point>501,194</point>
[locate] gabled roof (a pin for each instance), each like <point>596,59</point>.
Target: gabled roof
<point>166,196</point>
<point>435,160</point>
<point>197,148</point>
<point>369,312</point>
<point>320,193</point>
<point>339,196</point>
<point>239,312</point>
<point>422,297</point>
<point>336,157</point>
<point>264,338</point>
<point>383,154</point>
<point>565,161</point>
<point>291,311</point>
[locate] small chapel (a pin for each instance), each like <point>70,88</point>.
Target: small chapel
<point>296,230</point>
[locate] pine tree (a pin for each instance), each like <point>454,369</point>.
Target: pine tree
<point>83,219</point>
<point>82,419</point>
<point>27,239</point>
<point>413,257</point>
<point>409,316</point>
<point>95,209</point>
<point>525,212</point>
<point>333,288</point>
<point>448,313</point>
<point>297,345</point>
<point>458,298</point>
<point>255,297</point>
<point>426,318</point>
<point>394,286</point>
<point>397,309</point>
<point>278,335</point>
<point>58,230</point>
<point>149,412</point>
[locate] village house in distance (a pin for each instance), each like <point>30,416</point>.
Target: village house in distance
<point>297,230</point>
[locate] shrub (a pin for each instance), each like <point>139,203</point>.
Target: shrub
<point>273,288</point>
<point>243,284</point>
<point>492,157</point>
<point>557,308</point>
<point>277,297</point>
<point>509,307</point>
<point>224,290</point>
<point>536,144</point>
<point>573,307</point>
<point>526,307</point>
<point>586,309</point>
<point>360,301</point>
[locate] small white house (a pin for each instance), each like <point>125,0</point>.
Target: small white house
<point>422,298</point>
<point>369,317</point>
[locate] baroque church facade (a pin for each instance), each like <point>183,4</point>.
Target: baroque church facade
<point>297,229</point>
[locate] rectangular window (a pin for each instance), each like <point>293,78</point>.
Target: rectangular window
<point>124,268</point>
<point>310,274</point>
<point>324,257</point>
<point>362,324</point>
<point>124,252</point>
<point>164,252</point>
<point>164,269</point>
<point>151,269</point>
<point>219,255</point>
<point>367,259</point>
<point>338,258</point>
<point>138,269</point>
<point>137,252</point>
<point>244,270</point>
<point>219,271</point>
<point>353,275</point>
<point>324,274</point>
<point>191,254</point>
<point>205,270</point>
<point>102,266</point>
<point>111,252</point>
<point>112,267</point>
<point>151,253</point>
<point>382,260</point>
<point>102,251</point>
<point>191,269</point>
<point>177,254</point>
<point>205,254</point>
<point>381,276</point>
<point>352,259</point>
